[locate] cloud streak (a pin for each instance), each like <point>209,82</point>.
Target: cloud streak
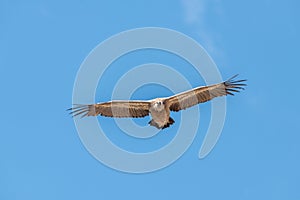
<point>193,10</point>
<point>196,15</point>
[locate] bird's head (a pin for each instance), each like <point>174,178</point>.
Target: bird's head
<point>159,105</point>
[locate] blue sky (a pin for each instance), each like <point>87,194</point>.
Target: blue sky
<point>43,44</point>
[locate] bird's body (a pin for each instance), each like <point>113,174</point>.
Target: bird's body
<point>159,108</point>
<point>160,114</point>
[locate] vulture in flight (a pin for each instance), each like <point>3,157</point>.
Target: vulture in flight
<point>160,108</point>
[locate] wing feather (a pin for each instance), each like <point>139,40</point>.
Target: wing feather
<point>203,94</point>
<point>113,109</point>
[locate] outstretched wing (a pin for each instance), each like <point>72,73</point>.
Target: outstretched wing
<point>202,94</point>
<point>113,109</point>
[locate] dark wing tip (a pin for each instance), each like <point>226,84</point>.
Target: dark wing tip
<point>79,109</point>
<point>232,85</point>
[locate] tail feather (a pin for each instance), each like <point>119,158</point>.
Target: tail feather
<point>170,122</point>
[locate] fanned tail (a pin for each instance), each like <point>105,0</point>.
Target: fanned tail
<point>169,123</point>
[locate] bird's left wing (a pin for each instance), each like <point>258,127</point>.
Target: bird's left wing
<point>202,94</point>
<point>113,109</point>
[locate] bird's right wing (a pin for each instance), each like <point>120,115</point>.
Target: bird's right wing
<point>203,94</point>
<point>113,109</point>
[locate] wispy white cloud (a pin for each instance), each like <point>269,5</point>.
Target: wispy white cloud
<point>195,14</point>
<point>193,10</point>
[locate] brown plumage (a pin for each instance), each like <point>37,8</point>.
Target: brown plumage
<point>160,108</point>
